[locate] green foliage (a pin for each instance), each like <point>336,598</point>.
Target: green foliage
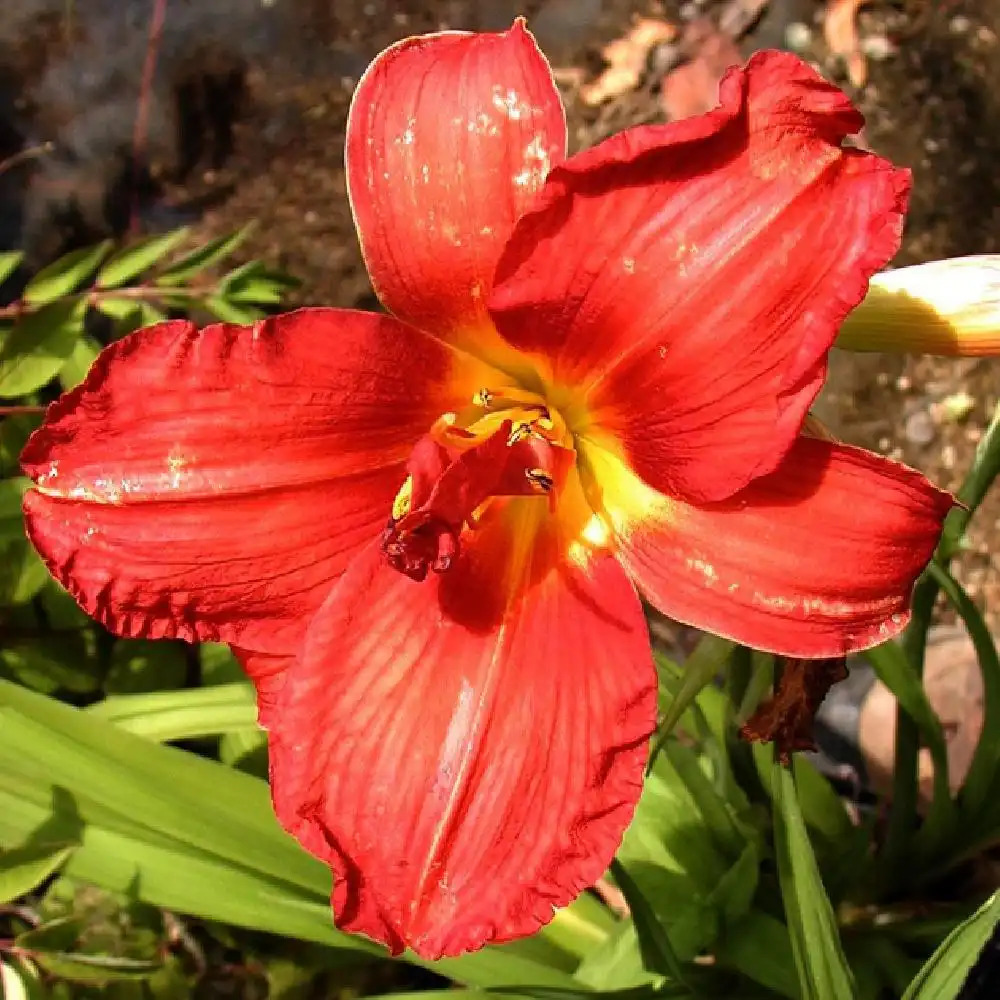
<point>946,970</point>
<point>21,870</point>
<point>49,334</point>
<point>819,956</point>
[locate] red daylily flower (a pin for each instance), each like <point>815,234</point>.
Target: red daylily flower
<point>423,531</point>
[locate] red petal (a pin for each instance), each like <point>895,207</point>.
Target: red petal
<point>462,770</point>
<point>212,484</point>
<point>449,139</point>
<point>816,559</point>
<point>691,277</point>
<point>268,672</point>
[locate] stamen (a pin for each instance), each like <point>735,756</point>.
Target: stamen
<point>506,398</point>
<point>451,480</point>
<point>404,500</point>
<point>540,479</point>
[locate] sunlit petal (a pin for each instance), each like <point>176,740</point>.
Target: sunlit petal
<point>690,278</point>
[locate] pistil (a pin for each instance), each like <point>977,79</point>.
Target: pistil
<point>509,449</point>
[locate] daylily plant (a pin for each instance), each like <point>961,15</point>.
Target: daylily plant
<point>424,532</point>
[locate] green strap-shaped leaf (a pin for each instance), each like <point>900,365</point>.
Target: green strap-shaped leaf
<point>699,670</point>
<point>65,275</point>
<point>819,956</point>
<point>23,868</point>
<point>979,788</point>
<point>179,715</point>
<point>132,261</point>
<point>657,951</point>
<point>945,972</point>
<point>192,835</point>
<point>894,669</point>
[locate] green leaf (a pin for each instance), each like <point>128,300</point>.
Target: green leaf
<point>52,662</point>
<point>84,354</point>
<point>978,791</point>
<point>38,346</point>
<point>759,946</point>
<point>14,433</point>
<point>946,970</point>
<point>657,951</point>
<point>121,309</point>
<point>181,271</point>
<point>253,284</point>
<point>10,260</point>
<point>819,957</point>
<point>53,947</point>
<point>22,572</point>
<point>141,665</point>
<point>218,665</point>
<point>842,848</point>
<point>130,313</point>
<point>239,744</point>
<point>11,520</point>
<point>23,868</point>
<point>65,275</point>
<point>700,669</point>
<point>231,312</point>
<point>188,834</point>
<point>895,671</point>
<point>132,261</point>
<point>182,715</point>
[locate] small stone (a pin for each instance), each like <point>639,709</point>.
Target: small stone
<point>878,48</point>
<point>932,145</point>
<point>904,383</point>
<point>919,428</point>
<point>956,407</point>
<point>948,456</point>
<point>959,24</point>
<point>798,37</point>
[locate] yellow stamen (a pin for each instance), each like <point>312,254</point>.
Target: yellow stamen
<point>404,500</point>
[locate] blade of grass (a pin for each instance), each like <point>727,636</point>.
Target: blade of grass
<point>178,715</point>
<point>819,956</point>
<point>699,671</point>
<point>944,974</point>
<point>657,951</point>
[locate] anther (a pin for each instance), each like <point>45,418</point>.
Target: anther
<point>540,479</point>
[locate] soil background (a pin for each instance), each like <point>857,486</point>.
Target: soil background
<point>251,100</point>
